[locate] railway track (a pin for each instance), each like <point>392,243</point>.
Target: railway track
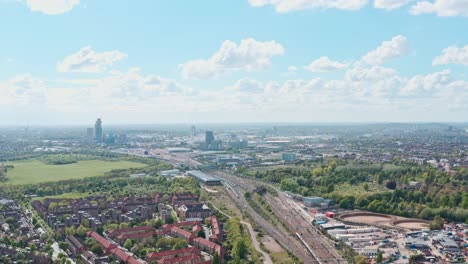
<point>319,247</point>
<point>288,241</point>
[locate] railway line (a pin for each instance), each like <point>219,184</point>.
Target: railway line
<point>288,241</point>
<point>319,247</point>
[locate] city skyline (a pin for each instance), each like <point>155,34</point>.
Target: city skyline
<point>247,61</point>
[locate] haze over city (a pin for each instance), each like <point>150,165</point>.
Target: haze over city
<point>68,62</point>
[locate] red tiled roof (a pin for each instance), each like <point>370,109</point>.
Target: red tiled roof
<point>135,235</point>
<point>205,242</point>
<point>157,255</point>
<point>179,259</point>
<point>133,260</point>
<point>126,257</point>
<point>104,242</point>
<point>181,232</point>
<point>215,225</point>
<point>117,232</point>
<point>208,244</point>
<point>167,227</point>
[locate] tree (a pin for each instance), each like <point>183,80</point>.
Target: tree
<point>437,223</point>
<point>70,231</point>
<point>100,230</point>
<point>239,249</point>
<point>379,257</point>
<point>81,231</point>
<point>33,247</point>
<point>128,244</point>
<point>201,233</point>
<point>63,246</point>
<point>366,187</point>
<point>216,259</point>
<point>391,185</point>
<point>158,223</point>
<point>97,249</point>
<point>180,244</point>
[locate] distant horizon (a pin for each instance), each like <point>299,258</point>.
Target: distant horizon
<point>238,123</point>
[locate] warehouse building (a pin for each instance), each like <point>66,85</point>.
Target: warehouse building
<point>203,177</point>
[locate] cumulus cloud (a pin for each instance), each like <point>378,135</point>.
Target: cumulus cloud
<point>22,90</point>
<point>443,8</point>
<point>249,55</point>
<point>452,55</point>
<point>423,84</point>
<point>394,48</point>
<point>52,7</point>
<point>365,92</point>
<point>390,4</point>
<point>324,64</point>
<point>89,61</point>
<point>284,6</point>
<point>247,85</point>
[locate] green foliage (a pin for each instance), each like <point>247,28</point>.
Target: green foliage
<point>377,187</point>
<point>379,257</point>
<point>437,223</point>
<point>97,249</point>
<point>128,244</point>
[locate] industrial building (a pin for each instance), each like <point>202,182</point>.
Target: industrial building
<point>203,177</point>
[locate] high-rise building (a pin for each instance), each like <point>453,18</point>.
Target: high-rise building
<point>209,137</point>
<point>98,130</point>
<point>90,134</point>
<point>193,131</point>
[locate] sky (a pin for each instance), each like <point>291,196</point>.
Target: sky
<point>65,62</point>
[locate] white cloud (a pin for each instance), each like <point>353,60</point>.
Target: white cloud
<point>247,85</point>
<point>324,64</point>
<point>443,8</point>
<point>390,4</point>
<point>90,61</point>
<point>249,55</point>
<point>52,7</point>
<point>452,55</point>
<point>284,6</point>
<point>423,84</point>
<point>364,93</point>
<point>394,48</point>
<point>22,90</point>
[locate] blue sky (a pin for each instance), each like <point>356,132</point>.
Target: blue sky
<point>70,61</point>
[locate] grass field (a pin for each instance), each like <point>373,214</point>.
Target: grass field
<point>34,171</point>
<point>358,190</point>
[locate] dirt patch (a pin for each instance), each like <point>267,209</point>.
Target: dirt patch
<point>376,219</point>
<point>271,245</point>
<point>368,218</point>
<point>411,224</point>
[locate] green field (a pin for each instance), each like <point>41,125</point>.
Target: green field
<point>34,171</point>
